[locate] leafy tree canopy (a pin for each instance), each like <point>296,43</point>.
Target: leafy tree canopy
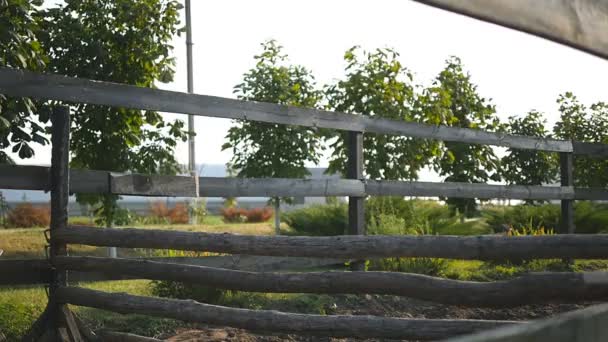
<point>272,150</point>
<point>19,48</point>
<point>529,167</point>
<point>119,41</point>
<point>378,85</point>
<point>577,122</point>
<point>455,99</point>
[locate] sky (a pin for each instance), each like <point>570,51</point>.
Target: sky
<point>517,71</point>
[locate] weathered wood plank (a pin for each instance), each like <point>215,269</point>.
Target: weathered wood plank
<point>91,181</point>
<point>24,177</point>
<point>577,23</point>
<point>528,289</point>
<point>270,187</point>
<point>57,87</point>
<point>484,247</point>
<point>467,190</point>
<point>586,325</point>
<point>36,271</point>
<point>261,320</point>
<point>21,272</point>
<point>153,185</point>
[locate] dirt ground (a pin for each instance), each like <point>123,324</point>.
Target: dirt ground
<point>380,306</point>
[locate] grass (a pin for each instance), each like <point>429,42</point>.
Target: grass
<point>19,243</point>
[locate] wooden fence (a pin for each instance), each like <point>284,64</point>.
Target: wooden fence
<point>57,319</point>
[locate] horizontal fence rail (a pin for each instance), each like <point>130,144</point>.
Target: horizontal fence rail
<point>485,247</point>
<point>38,271</point>
<point>586,325</point>
<point>23,272</point>
<point>274,321</point>
<point>87,181</point>
<point>23,83</point>
<point>528,289</point>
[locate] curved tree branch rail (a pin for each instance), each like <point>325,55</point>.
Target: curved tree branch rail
<point>527,289</point>
<point>485,247</point>
<point>264,321</point>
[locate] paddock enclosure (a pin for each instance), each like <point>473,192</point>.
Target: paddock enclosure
<point>60,268</point>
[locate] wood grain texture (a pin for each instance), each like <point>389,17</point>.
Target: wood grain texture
<point>581,24</point>
<point>484,247</point>
<point>274,321</point>
<point>528,289</point>
<point>153,185</point>
<point>57,87</point>
<point>586,325</point>
<point>92,181</point>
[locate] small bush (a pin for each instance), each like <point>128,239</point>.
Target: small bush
<point>256,215</point>
<point>234,215</point>
<point>179,290</point>
<point>318,220</point>
<point>159,210</point>
<point>427,266</point>
<point>25,215</point>
<point>178,214</point>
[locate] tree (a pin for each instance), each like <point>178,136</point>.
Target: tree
<point>19,48</point>
<point>579,123</point>
<point>455,99</point>
<point>528,167</point>
<point>273,150</point>
<point>378,85</point>
<point>118,41</point>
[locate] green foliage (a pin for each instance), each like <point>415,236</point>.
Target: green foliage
<point>520,216</point>
<point>428,266</point>
<point>589,217</point>
<point>376,84</point>
<point>19,48</point>
<point>454,98</point>
<point>396,215</point>
<point>262,150</point>
<point>529,167</point>
<point>577,122</point>
<point>118,41</point>
<point>318,220</point>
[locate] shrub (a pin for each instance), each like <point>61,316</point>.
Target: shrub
<point>589,217</point>
<point>179,290</point>
<point>159,210</point>
<point>25,215</point>
<point>234,215</point>
<point>258,214</point>
<point>178,214</point>
<point>319,220</point>
<point>427,266</point>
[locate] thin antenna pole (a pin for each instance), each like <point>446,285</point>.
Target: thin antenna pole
<point>191,158</point>
<point>191,146</point>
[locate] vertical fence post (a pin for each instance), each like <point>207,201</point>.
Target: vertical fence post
<point>566,161</point>
<point>356,205</point>
<point>59,181</point>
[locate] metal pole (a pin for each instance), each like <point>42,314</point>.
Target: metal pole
<point>191,145</point>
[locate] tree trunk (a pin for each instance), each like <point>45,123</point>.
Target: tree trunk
<point>277,216</point>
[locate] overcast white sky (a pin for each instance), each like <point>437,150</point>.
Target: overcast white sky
<point>518,71</point>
